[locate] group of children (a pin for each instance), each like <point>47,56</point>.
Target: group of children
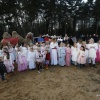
<point>79,54</point>
<point>41,55</point>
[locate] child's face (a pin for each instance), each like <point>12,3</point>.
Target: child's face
<point>18,49</point>
<point>10,46</point>
<point>31,49</point>
<point>99,42</point>
<point>91,42</point>
<point>39,51</point>
<point>25,45</point>
<point>46,51</point>
<point>75,45</point>
<point>68,45</point>
<point>31,46</point>
<point>36,44</point>
<point>61,45</point>
<point>81,48</point>
<point>43,44</point>
<point>4,53</point>
<point>40,42</point>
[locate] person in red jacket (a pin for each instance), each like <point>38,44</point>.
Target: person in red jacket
<point>46,38</point>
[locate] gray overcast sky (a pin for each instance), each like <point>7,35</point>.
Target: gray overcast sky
<point>85,0</point>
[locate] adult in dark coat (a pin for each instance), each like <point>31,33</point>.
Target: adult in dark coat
<point>97,38</point>
<point>90,36</point>
<point>86,37</point>
<point>94,37</point>
<point>66,39</point>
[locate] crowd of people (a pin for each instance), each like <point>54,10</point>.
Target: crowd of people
<point>47,52</point>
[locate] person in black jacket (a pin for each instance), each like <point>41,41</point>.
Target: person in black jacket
<point>2,69</point>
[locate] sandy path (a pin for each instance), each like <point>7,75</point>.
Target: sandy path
<point>57,83</point>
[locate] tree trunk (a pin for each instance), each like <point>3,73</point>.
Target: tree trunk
<point>74,25</point>
<point>47,26</point>
<point>97,26</point>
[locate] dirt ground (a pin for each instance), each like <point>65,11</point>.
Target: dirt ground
<point>56,83</point>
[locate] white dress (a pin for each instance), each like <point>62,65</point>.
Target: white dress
<point>8,63</point>
<point>74,53</point>
<point>86,52</point>
<point>78,45</point>
<point>25,51</point>
<point>81,57</point>
<point>11,52</point>
<point>92,51</point>
<point>53,52</point>
<point>32,60</point>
